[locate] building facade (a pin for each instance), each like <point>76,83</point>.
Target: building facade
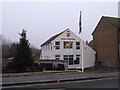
<point>105,41</point>
<point>67,46</point>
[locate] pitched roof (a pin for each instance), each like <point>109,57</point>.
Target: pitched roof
<point>112,20</point>
<point>52,38</point>
<point>90,44</point>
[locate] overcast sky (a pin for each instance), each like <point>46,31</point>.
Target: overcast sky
<point>45,19</point>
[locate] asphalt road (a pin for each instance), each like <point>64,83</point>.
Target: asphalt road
<point>93,83</point>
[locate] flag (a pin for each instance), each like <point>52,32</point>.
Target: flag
<point>80,27</point>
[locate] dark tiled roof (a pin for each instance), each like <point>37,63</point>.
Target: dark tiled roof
<point>90,44</point>
<point>113,21</point>
<point>52,38</point>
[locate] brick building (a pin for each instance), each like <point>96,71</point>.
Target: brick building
<point>106,39</point>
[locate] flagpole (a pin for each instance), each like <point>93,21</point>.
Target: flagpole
<point>80,31</point>
<point>82,52</point>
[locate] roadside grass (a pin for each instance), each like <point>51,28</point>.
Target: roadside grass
<point>41,73</point>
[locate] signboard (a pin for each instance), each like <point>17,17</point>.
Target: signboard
<point>68,51</point>
<point>67,38</point>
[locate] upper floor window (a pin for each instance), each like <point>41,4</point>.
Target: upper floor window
<point>68,45</point>
<point>57,45</point>
<point>77,45</point>
<point>48,46</point>
<point>51,46</point>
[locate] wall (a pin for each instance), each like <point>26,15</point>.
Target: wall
<point>88,56</point>
<point>105,43</point>
<point>61,51</point>
<point>51,53</point>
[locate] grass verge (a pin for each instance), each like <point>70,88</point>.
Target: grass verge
<point>40,73</point>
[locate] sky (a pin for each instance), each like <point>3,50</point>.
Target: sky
<point>45,19</point>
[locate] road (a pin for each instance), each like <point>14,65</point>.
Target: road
<point>93,83</point>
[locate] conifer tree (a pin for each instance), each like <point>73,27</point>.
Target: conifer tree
<point>23,57</point>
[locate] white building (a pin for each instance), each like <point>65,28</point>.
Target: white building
<point>67,46</point>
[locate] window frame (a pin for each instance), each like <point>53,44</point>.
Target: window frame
<point>68,58</point>
<point>57,46</point>
<point>77,46</point>
<point>77,59</point>
<point>57,57</point>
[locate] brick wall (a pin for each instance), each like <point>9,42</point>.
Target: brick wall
<point>105,43</point>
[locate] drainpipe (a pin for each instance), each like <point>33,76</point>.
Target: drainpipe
<point>118,42</point>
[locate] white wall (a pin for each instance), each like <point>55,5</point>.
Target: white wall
<point>89,54</point>
<point>61,51</point>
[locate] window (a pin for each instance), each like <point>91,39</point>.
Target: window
<point>51,46</point>
<point>48,46</point>
<point>65,57</point>
<point>77,45</point>
<point>57,45</point>
<point>77,59</point>
<point>57,57</point>
<point>68,44</point>
<point>68,34</point>
<point>69,58</point>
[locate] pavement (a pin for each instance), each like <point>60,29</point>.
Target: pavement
<point>22,80</point>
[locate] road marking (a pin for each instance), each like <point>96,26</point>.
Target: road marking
<point>18,86</point>
<point>93,80</point>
